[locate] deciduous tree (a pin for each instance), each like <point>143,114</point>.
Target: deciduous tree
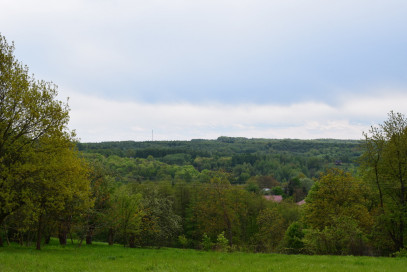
<point>34,141</point>
<point>385,167</point>
<point>336,194</point>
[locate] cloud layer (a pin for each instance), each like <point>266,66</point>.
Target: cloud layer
<point>231,51</point>
<point>97,119</point>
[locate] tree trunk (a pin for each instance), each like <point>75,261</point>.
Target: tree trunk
<point>378,186</point>
<point>110,237</point>
<point>132,241</point>
<point>39,232</point>
<point>2,217</point>
<point>62,234</point>
<point>89,235</point>
<point>229,225</point>
<point>401,230</point>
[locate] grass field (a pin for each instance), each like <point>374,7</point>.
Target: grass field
<point>101,257</point>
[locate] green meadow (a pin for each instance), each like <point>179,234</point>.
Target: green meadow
<point>101,257</point>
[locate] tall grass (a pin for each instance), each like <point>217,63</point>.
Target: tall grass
<point>101,257</point>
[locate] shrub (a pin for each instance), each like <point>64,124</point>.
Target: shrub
<point>342,238</point>
<point>206,242</point>
<point>222,243</point>
<point>183,241</point>
<point>402,253</point>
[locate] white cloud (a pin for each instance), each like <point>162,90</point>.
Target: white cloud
<point>97,119</point>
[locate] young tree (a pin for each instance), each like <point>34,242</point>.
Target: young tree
<point>125,214</point>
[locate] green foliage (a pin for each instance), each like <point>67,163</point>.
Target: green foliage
<point>252,186</point>
<point>160,225</point>
<point>183,241</point>
<point>343,238</point>
<point>384,167</point>
<point>271,229</point>
<point>346,221</point>
<point>283,159</point>
<point>222,243</point>
<point>293,239</point>
<point>41,176</point>
<point>277,190</point>
<point>206,242</point>
<point>402,253</point>
<point>125,213</point>
<point>337,194</point>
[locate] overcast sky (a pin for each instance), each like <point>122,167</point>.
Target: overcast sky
<point>190,69</point>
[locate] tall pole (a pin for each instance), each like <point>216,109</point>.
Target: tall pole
<point>152,135</point>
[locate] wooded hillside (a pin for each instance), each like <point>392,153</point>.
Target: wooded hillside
<point>242,158</point>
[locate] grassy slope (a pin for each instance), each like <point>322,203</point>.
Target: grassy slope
<point>101,257</point>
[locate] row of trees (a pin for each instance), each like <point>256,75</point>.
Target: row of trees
<point>342,216</point>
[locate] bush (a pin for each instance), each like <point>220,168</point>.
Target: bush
<point>222,243</point>
<point>402,253</point>
<point>342,238</point>
<point>183,241</point>
<point>206,242</point>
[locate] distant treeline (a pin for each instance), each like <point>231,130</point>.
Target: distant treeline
<point>331,149</point>
<point>241,157</point>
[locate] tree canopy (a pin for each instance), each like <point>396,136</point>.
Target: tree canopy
<point>39,168</point>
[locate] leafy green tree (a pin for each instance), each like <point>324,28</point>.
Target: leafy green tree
<point>102,185</point>
<point>183,240</point>
<point>336,194</point>
<point>125,214</point>
<point>271,229</point>
<point>293,238</point>
<point>277,190</point>
<point>187,173</point>
<point>384,163</point>
<point>214,209</point>
<point>160,225</point>
<point>206,242</point>
<point>252,186</point>
<point>222,244</point>
<point>32,126</point>
<point>61,182</point>
<point>337,207</point>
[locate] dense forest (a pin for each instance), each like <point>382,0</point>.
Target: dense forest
<point>240,157</point>
<point>259,195</point>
